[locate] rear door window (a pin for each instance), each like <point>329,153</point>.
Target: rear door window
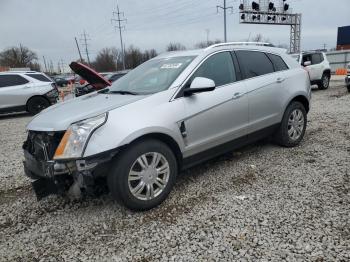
<point>277,62</point>
<point>254,63</point>
<point>39,77</point>
<point>12,80</point>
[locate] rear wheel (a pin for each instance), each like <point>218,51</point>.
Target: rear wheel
<point>143,175</point>
<point>348,87</point>
<point>324,84</point>
<point>36,104</point>
<point>293,126</point>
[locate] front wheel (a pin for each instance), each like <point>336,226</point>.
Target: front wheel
<point>36,104</point>
<point>348,87</point>
<point>143,175</point>
<point>293,125</point>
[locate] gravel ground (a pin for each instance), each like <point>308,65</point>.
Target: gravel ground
<point>261,203</point>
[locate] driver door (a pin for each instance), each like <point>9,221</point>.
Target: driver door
<point>219,116</point>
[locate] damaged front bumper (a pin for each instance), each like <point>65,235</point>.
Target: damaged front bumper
<point>75,177</point>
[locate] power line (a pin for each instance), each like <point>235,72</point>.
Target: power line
<point>119,25</point>
<point>85,40</point>
<point>225,9</point>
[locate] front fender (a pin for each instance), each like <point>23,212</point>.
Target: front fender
<point>102,141</point>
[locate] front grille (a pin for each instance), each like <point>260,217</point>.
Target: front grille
<point>42,145</point>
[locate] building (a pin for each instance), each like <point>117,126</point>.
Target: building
<point>343,42</point>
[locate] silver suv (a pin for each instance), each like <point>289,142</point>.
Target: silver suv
<point>26,91</point>
<point>172,112</point>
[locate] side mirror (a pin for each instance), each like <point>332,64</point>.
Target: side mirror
<point>307,63</point>
<point>199,85</point>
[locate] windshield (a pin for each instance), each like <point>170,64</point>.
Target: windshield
<point>152,76</point>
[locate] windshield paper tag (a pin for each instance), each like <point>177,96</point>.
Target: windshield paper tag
<point>171,66</point>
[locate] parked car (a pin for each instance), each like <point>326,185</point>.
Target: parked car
<point>95,81</point>
<point>170,113</point>
<point>60,81</point>
<point>347,78</point>
<point>316,63</point>
<point>26,91</point>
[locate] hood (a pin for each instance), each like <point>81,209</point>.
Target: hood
<point>60,116</point>
<point>90,75</point>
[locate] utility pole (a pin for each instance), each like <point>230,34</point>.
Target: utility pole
<point>62,65</point>
<point>76,41</point>
<point>85,40</point>
<point>45,64</point>
<point>59,68</point>
<point>225,9</point>
<point>119,22</point>
<point>51,67</point>
<point>207,31</point>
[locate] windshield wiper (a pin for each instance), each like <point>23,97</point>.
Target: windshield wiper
<point>103,91</point>
<point>123,92</point>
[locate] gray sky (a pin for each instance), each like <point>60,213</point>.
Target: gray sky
<point>49,26</point>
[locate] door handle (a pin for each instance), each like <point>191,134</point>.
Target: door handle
<point>280,80</point>
<point>25,87</point>
<point>237,95</point>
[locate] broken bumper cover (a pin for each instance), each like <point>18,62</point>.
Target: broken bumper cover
<point>52,177</point>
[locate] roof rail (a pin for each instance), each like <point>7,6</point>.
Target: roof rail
<point>19,71</point>
<point>239,43</point>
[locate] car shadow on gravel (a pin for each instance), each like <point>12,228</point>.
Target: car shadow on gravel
<point>14,115</point>
<point>178,203</point>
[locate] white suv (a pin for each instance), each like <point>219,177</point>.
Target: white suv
<point>317,65</point>
<point>26,91</point>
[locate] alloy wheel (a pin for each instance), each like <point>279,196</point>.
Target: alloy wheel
<point>148,176</point>
<point>296,124</point>
<point>325,81</point>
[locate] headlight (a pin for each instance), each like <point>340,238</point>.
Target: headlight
<point>52,93</point>
<point>76,137</point>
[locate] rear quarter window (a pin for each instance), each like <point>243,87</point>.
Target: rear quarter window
<point>277,62</point>
<point>12,80</point>
<point>39,77</point>
<point>316,58</point>
<point>254,63</point>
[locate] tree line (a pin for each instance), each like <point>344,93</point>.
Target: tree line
<point>107,59</point>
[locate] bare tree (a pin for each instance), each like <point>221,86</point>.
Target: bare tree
<point>205,44</point>
<point>175,47</point>
<point>134,56</point>
<point>106,60</point>
<point>260,38</point>
<point>18,57</point>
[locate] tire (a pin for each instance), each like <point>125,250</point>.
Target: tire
<point>285,136</point>
<point>36,104</point>
<point>324,83</point>
<point>348,87</point>
<point>143,180</point>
